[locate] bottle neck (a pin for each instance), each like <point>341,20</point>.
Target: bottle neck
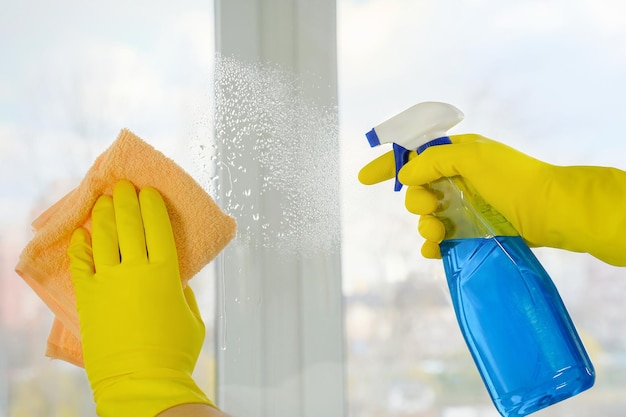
<point>444,140</point>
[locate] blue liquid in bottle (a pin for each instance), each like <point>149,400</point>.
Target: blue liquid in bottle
<point>515,324</point>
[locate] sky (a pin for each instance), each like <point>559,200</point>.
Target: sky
<point>542,75</point>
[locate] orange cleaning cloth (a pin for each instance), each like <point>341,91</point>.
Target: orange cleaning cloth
<point>201,230</point>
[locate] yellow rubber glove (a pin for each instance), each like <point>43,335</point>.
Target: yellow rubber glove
<point>141,332</point>
<point>577,208</point>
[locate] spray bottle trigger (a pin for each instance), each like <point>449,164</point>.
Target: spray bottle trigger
<point>401,156</point>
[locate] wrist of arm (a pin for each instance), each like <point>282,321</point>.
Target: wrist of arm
<point>192,410</point>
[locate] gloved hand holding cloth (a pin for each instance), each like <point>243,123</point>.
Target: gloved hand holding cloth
<point>141,331</point>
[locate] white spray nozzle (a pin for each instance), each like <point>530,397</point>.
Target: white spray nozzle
<point>416,126</point>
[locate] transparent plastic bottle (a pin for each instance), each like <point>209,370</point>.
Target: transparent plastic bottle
<point>511,315</point>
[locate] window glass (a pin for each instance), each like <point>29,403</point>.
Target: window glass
<point>72,75</point>
<point>545,77</point>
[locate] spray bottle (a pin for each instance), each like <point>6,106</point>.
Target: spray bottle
<point>511,315</point>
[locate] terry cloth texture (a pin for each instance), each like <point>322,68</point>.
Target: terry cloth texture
<point>201,230</point>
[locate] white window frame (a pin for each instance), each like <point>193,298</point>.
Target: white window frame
<point>281,318</point>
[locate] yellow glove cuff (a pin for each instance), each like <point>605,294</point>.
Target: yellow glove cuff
<point>147,393</point>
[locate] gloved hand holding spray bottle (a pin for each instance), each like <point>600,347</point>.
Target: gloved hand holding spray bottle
<point>513,320</point>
